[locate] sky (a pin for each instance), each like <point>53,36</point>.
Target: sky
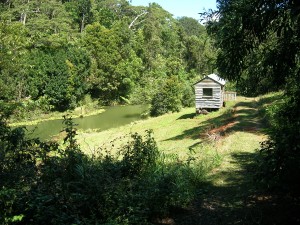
<point>180,8</point>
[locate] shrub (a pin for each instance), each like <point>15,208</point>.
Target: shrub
<point>188,96</point>
<point>281,156</point>
<point>168,99</point>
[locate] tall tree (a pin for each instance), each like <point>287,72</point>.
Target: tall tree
<point>200,54</point>
<point>59,75</point>
<point>191,26</point>
<point>81,11</point>
<point>106,12</point>
<point>245,27</point>
<point>115,65</point>
<point>266,34</point>
<point>13,55</point>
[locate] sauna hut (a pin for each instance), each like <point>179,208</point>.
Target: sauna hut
<point>209,92</point>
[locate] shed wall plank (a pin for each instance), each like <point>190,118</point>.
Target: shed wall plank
<point>206,102</point>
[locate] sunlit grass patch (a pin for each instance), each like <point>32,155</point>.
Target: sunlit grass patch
<point>175,133</point>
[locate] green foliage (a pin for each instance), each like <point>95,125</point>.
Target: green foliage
<point>13,50</point>
<point>55,52</point>
<point>188,95</point>
<point>168,99</point>
<point>45,183</point>
<point>281,152</point>
<point>192,27</point>
<point>139,155</point>
<point>200,54</point>
<point>253,42</point>
<point>81,12</point>
<point>59,75</point>
<point>115,66</point>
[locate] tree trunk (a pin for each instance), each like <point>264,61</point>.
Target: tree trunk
<point>132,23</point>
<point>82,23</point>
<point>23,18</point>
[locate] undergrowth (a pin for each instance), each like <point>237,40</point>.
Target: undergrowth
<point>45,183</point>
<point>280,163</point>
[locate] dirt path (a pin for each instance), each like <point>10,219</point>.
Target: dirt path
<point>230,195</point>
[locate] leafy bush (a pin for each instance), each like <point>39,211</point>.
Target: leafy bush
<point>281,156</point>
<point>188,96</point>
<point>168,99</point>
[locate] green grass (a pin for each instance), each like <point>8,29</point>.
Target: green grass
<point>184,132</point>
<point>230,194</point>
<point>176,133</point>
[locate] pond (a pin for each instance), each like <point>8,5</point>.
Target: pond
<point>113,116</point>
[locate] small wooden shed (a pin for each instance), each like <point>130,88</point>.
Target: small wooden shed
<point>209,92</point>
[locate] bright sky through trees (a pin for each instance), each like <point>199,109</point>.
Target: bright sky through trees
<point>180,8</point>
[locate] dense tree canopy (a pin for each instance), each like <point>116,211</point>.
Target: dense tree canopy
<point>56,51</point>
<point>258,42</point>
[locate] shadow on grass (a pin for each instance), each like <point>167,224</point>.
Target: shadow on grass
<point>245,119</point>
<point>232,197</point>
<point>187,116</point>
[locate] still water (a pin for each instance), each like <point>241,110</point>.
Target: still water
<point>114,116</point>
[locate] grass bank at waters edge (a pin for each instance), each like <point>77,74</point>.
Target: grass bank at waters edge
<point>76,113</point>
<point>177,133</point>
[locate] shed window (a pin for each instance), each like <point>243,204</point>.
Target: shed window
<point>207,92</point>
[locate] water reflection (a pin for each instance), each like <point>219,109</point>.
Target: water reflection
<point>114,116</point>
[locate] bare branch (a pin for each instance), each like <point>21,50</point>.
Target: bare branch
<point>132,23</point>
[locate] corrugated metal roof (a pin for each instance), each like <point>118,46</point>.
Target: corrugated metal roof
<point>214,77</point>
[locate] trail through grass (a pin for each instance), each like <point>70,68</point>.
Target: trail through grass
<point>230,194</point>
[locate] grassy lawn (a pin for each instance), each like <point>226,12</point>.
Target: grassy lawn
<point>183,132</point>
<point>175,133</point>
<point>230,194</point>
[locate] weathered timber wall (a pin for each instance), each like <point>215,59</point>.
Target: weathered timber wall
<point>216,101</point>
